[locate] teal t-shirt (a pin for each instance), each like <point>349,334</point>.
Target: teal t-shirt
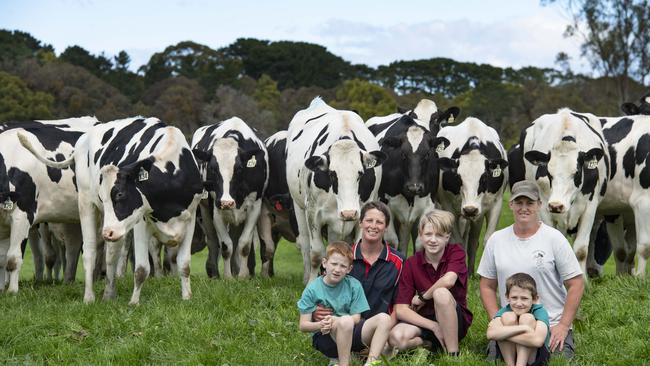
<point>538,312</point>
<point>344,298</point>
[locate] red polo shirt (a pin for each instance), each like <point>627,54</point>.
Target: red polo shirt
<point>418,275</point>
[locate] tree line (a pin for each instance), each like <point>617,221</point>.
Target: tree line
<point>265,83</point>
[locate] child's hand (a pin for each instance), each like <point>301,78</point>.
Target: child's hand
<point>416,303</point>
<point>321,312</point>
<point>326,324</point>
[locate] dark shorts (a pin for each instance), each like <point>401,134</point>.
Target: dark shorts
<point>326,345</point>
<point>493,352</point>
<point>428,335</point>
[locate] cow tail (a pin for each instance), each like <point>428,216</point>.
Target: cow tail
<point>39,152</point>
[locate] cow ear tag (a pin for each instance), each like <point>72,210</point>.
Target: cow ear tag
<point>592,164</point>
<point>496,172</point>
<point>371,163</point>
<point>8,205</point>
<point>204,195</point>
<point>251,162</point>
<point>450,119</point>
<point>440,148</point>
<point>143,175</point>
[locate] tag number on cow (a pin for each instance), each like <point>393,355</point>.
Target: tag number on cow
<point>496,172</point>
<point>8,205</point>
<point>251,162</point>
<point>143,175</point>
<point>592,164</point>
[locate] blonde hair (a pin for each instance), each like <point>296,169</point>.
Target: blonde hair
<point>341,248</point>
<point>441,221</point>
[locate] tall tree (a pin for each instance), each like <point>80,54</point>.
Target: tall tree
<point>98,65</point>
<point>615,38</point>
<point>18,102</point>
<point>365,98</point>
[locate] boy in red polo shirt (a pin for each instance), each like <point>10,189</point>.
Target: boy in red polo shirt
<point>432,296</point>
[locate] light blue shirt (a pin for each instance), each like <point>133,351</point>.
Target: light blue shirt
<point>344,298</point>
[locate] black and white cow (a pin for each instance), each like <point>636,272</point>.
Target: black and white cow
<point>473,178</point>
<point>567,155</point>
<point>277,218</point>
<point>409,174</point>
<point>235,169</point>
<point>332,169</point>
<point>31,193</point>
<point>632,109</point>
<point>137,174</point>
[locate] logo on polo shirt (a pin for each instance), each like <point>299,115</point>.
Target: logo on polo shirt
<point>538,257</point>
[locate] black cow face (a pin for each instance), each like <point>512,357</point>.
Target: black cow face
<point>411,167</point>
<point>124,194</point>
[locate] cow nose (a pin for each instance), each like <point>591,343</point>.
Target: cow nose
<point>555,207</point>
<point>227,204</point>
<point>415,188</point>
<point>110,235</point>
<point>349,215</point>
<point>470,211</point>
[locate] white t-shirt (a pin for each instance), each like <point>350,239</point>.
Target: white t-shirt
<point>547,256</point>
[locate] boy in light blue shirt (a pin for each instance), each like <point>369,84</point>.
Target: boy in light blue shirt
<point>339,334</point>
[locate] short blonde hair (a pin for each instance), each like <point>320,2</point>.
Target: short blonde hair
<point>341,248</point>
<point>441,221</point>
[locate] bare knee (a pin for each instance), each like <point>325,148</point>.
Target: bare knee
<point>398,339</point>
<point>344,323</point>
<point>509,318</point>
<point>527,319</point>
<point>442,296</point>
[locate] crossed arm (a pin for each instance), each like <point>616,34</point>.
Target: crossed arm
<point>520,334</point>
<point>324,325</point>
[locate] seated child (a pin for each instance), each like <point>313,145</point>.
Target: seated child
<point>339,334</point>
<point>521,328</point>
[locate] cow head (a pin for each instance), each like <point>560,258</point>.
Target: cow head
<point>411,154</point>
<point>162,191</point>
<point>567,171</point>
<point>631,109</point>
<point>232,170</point>
<point>444,118</point>
<point>471,172</point>
<point>342,169</point>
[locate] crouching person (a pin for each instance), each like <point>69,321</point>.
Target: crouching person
<point>343,332</point>
<point>431,302</point>
<point>521,328</point>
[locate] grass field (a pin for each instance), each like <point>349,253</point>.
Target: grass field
<point>254,322</point>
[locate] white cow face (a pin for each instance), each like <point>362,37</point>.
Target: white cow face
<point>341,169</point>
<point>124,205</point>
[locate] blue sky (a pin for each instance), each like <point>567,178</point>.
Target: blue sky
<point>499,32</point>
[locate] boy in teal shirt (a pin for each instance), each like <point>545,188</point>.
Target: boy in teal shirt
<point>521,328</point>
<point>339,334</point>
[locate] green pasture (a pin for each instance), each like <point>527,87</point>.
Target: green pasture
<point>254,322</point>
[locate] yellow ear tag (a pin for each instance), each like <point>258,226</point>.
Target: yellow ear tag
<point>204,195</point>
<point>143,175</point>
<point>592,164</point>
<point>372,163</point>
<point>496,172</point>
<point>440,148</point>
<point>251,162</point>
<point>451,119</point>
<point>8,205</point>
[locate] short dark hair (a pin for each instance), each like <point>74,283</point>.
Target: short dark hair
<point>377,205</point>
<point>523,281</point>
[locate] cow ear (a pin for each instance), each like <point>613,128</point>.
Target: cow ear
<point>501,163</point>
<point>537,158</point>
<point>317,162</point>
<point>447,165</point>
<point>449,116</point>
<point>392,141</point>
<point>440,143</point>
<point>373,159</point>
<point>413,115</point>
<point>401,110</point>
<point>590,158</point>
<point>629,109</point>
<point>201,155</point>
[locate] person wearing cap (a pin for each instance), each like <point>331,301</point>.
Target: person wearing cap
<point>532,247</point>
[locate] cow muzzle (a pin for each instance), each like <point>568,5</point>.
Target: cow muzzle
<point>415,188</point>
<point>226,204</point>
<point>556,207</point>
<point>470,212</point>
<point>349,215</point>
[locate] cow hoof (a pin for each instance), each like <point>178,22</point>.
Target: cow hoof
<point>187,296</point>
<point>89,299</point>
<point>134,303</point>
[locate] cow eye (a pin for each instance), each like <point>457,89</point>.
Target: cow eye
<point>120,196</point>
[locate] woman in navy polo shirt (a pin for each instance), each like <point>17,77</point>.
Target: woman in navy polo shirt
<point>431,304</point>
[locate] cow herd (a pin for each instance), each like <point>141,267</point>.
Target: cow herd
<point>90,184</point>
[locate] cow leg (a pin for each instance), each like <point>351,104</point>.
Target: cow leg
<point>581,242</point>
<point>37,248</point>
<point>113,250</point>
<point>641,213</point>
<point>629,229</point>
<point>267,244</point>
<point>4,247</point>
<point>123,260</point>
<point>183,260</point>
<point>616,234</point>
<point>404,237</point>
<point>246,239</point>
<point>72,234</point>
<point>141,237</point>
<point>224,234</point>
<point>48,248</point>
<point>390,235</point>
<point>154,248</point>
<point>316,252</point>
<point>19,233</point>
<point>472,244</point>
<point>212,241</point>
<point>170,264</point>
<point>303,240</point>
<point>88,220</point>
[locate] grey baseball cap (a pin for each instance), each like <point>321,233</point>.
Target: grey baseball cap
<point>525,188</point>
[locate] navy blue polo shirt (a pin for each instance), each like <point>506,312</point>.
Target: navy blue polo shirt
<point>380,280</point>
